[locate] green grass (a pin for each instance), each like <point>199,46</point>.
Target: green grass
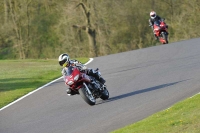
<point>183,117</point>
<point>19,77</point>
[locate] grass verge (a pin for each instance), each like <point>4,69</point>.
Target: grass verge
<point>183,117</point>
<point>19,77</point>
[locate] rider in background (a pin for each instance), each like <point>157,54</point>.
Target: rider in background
<point>153,18</point>
<point>65,62</point>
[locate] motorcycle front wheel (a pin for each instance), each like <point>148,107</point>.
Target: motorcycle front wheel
<point>87,96</point>
<point>164,35</point>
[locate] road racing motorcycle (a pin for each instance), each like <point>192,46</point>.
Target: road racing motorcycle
<point>160,29</point>
<point>81,83</point>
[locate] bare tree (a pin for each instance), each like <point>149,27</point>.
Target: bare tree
<point>17,28</point>
<point>91,32</point>
<point>6,11</point>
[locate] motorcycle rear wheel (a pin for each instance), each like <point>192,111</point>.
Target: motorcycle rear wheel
<point>105,94</point>
<point>88,98</point>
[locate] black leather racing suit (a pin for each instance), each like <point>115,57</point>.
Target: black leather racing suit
<point>151,22</point>
<point>82,67</point>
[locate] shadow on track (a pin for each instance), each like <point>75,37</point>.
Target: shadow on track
<point>139,92</point>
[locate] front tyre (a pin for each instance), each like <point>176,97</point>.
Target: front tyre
<point>87,97</point>
<point>164,35</point>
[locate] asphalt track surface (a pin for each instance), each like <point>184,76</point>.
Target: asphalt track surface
<point>140,82</point>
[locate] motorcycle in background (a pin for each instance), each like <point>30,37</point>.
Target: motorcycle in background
<point>80,83</point>
<point>160,28</point>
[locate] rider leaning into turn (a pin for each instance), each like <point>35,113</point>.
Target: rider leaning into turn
<point>153,18</point>
<point>65,62</point>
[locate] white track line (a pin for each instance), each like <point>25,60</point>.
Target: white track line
<point>91,59</point>
<point>195,95</point>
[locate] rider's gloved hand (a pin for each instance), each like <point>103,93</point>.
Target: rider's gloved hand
<point>81,67</point>
<point>63,72</point>
<point>84,67</point>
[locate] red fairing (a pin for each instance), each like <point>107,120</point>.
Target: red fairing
<point>159,28</point>
<point>75,78</point>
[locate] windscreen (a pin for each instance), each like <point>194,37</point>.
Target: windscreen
<point>157,22</point>
<point>69,70</point>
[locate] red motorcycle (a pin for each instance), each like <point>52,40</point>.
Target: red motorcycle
<point>80,83</point>
<point>160,28</point>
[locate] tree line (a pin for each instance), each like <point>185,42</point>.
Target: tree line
<point>89,28</point>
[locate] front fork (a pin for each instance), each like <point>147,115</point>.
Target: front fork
<point>88,90</point>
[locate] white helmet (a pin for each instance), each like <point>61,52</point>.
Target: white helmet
<point>152,14</point>
<point>64,60</point>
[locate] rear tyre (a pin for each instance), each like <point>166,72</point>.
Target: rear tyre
<point>88,98</point>
<point>105,94</point>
